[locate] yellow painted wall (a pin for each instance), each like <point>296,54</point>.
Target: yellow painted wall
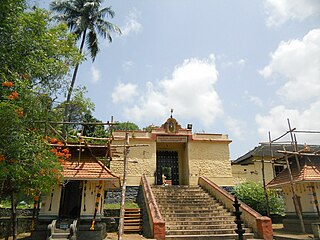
<point>142,160</point>
<point>253,171</point>
<point>306,198</point>
<point>55,203</point>
<point>210,159</point>
<point>206,155</point>
<point>89,200</point>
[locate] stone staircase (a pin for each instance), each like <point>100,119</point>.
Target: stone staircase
<point>62,230</point>
<point>191,213</point>
<point>132,220</point>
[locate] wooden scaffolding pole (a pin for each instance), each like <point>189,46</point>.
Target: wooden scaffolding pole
<point>124,185</point>
<point>295,197</point>
<point>264,186</point>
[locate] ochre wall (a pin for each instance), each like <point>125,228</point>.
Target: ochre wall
<point>202,155</point>
<point>55,204</point>
<point>142,160</point>
<point>253,171</point>
<point>210,159</point>
<point>89,200</point>
<point>306,198</point>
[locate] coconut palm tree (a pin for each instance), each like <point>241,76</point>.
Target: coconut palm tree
<point>85,18</point>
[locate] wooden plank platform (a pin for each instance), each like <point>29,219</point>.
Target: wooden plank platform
<point>132,220</point>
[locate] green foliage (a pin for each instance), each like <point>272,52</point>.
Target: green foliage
<point>79,107</point>
<point>86,19</point>
<point>27,165</point>
<point>36,49</point>
<point>252,194</point>
<point>129,126</point>
<point>149,128</point>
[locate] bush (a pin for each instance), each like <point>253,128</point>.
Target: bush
<point>252,194</point>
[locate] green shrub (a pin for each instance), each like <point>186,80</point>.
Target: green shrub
<point>252,194</point>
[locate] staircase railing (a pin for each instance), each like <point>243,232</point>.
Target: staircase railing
<point>51,228</point>
<point>261,225</point>
<point>73,230</point>
<point>156,222</point>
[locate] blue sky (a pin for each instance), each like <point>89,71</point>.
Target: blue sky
<point>238,67</point>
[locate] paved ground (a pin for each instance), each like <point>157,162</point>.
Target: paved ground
<point>279,234</point>
<point>114,236</point>
<point>110,236</point>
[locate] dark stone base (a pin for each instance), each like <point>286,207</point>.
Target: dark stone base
<point>83,233</point>
<point>99,232</point>
<point>292,224</point>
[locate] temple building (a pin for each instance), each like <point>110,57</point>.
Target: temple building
<point>177,153</point>
<point>166,155</point>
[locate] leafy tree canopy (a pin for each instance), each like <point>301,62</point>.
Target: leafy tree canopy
<point>129,126</point>
<point>252,194</point>
<point>38,50</point>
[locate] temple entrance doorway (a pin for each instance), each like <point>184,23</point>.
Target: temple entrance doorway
<point>70,201</point>
<point>168,166</point>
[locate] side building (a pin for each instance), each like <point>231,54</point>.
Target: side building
<point>249,166</point>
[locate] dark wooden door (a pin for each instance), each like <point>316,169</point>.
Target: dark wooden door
<point>167,164</point>
<point>70,201</point>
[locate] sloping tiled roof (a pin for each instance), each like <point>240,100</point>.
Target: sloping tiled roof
<point>310,171</point>
<point>88,170</point>
<point>264,150</point>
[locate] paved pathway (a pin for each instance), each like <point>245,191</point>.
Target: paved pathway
<point>114,236</point>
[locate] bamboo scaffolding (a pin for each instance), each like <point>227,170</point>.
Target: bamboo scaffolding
<point>296,154</point>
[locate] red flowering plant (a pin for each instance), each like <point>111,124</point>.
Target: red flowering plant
<point>59,150</point>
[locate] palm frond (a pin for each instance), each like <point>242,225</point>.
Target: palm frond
<point>92,44</point>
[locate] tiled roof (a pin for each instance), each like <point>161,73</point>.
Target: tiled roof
<point>264,150</point>
<point>87,170</point>
<point>310,171</point>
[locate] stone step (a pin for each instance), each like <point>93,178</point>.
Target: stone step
<point>185,201</point>
<point>201,226</point>
<point>191,213</point>
<point>190,208</point>
<point>212,214</point>
<point>226,220</point>
<point>203,231</point>
<point>209,237</point>
<point>60,235</point>
<point>195,219</point>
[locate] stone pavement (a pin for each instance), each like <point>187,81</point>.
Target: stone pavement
<point>132,236</point>
<point>110,236</point>
<point>280,234</point>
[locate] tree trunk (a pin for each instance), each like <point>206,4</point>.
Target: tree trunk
<point>14,215</point>
<point>73,80</point>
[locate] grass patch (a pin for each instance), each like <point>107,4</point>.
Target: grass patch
<point>23,205</point>
<point>117,205</point>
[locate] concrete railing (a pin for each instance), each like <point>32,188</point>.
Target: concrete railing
<point>157,224</point>
<point>261,226</point>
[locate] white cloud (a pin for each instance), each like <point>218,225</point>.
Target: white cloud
<point>276,122</point>
<point>131,23</point>
<point>190,91</point>
<point>298,63</point>
<point>95,73</point>
<point>124,93</point>
<point>253,99</point>
<point>236,128</point>
<point>127,65</point>
<point>280,11</point>
<point>242,62</point>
